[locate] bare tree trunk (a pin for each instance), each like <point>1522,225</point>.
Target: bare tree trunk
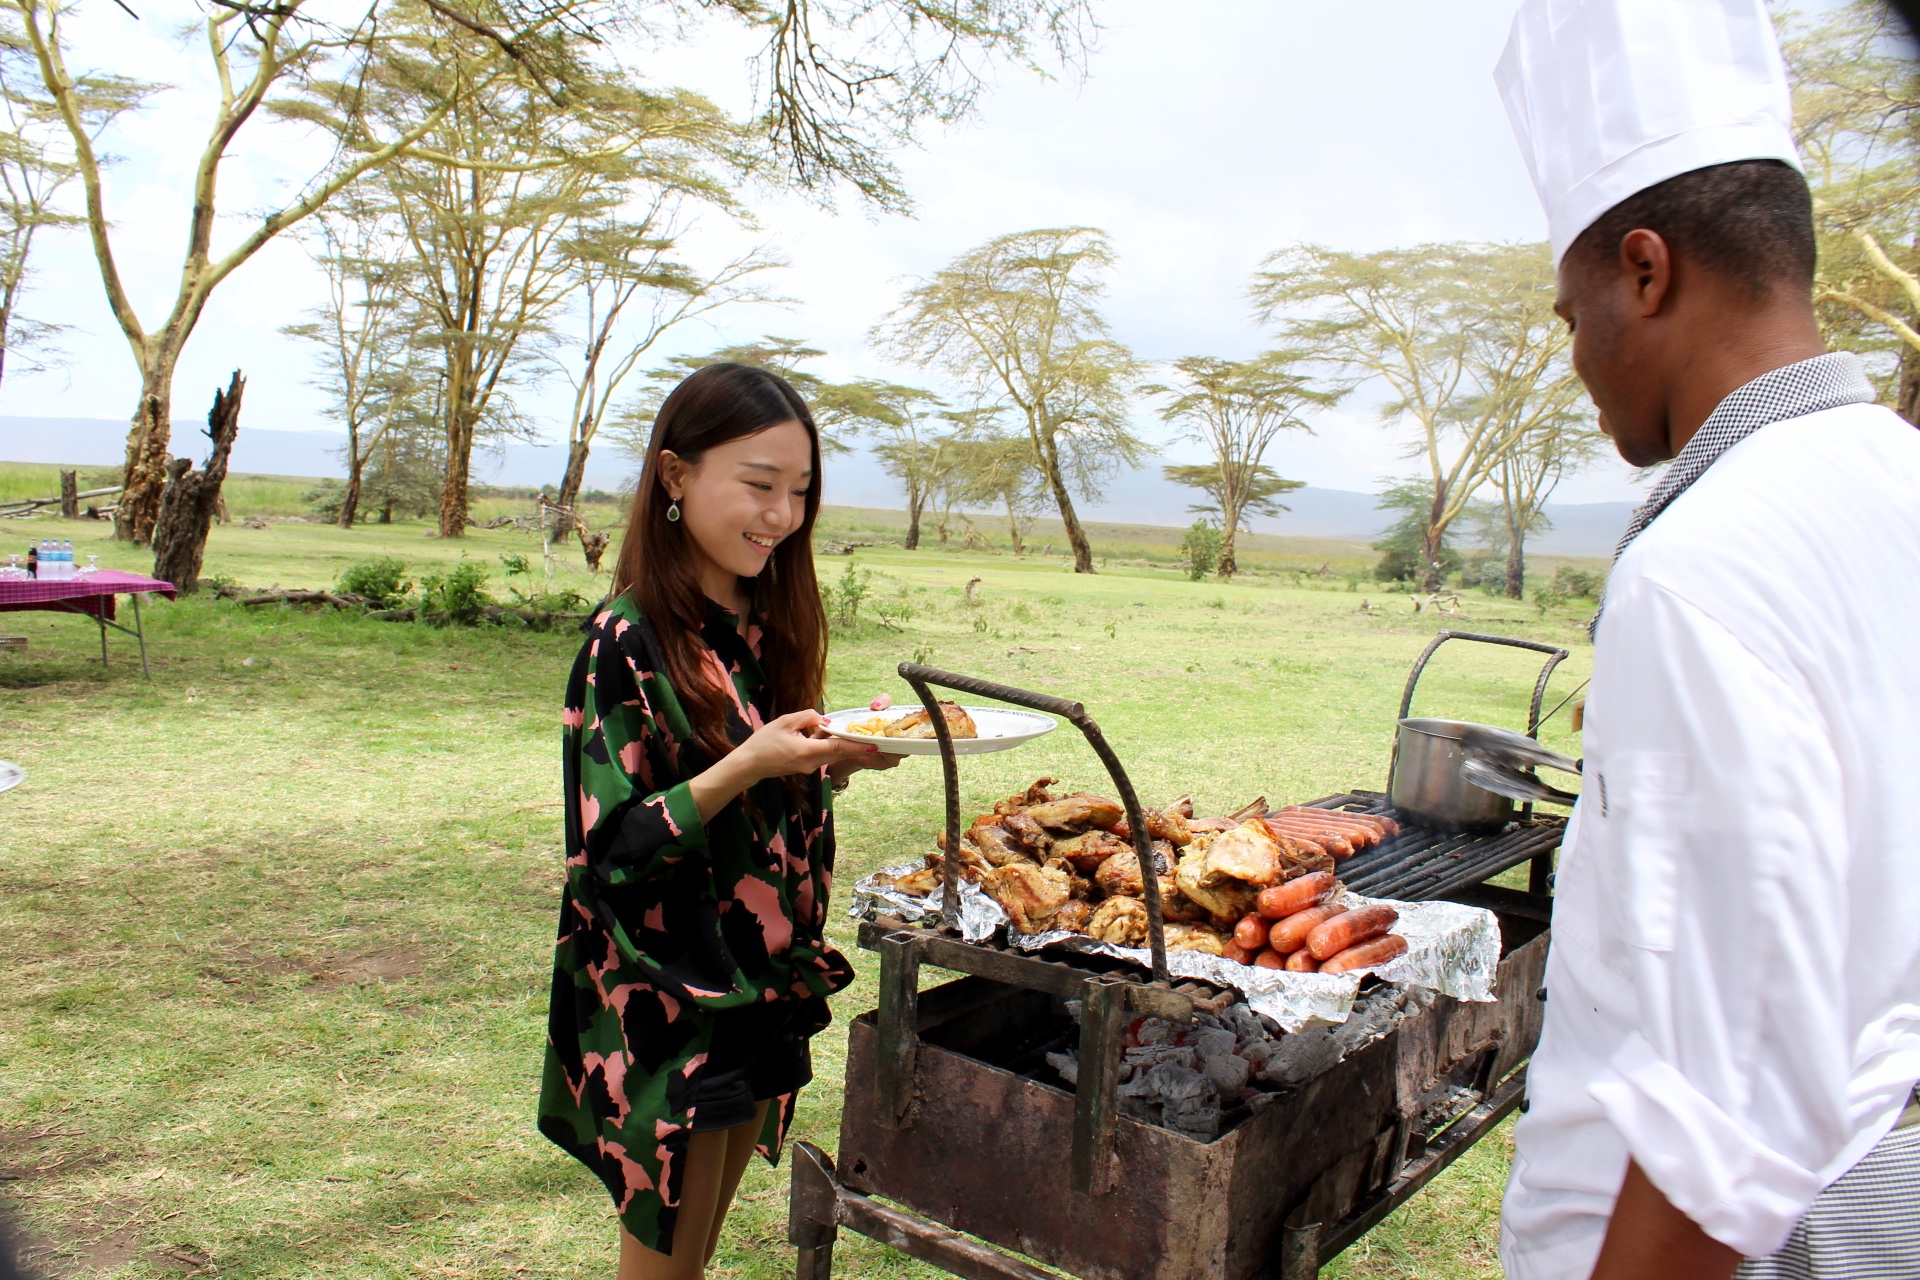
<point>570,484</point>
<point>188,502</point>
<point>1516,570</point>
<point>1013,528</point>
<point>1908,405</point>
<point>69,495</point>
<point>350,500</point>
<point>916,504</point>
<point>145,474</point>
<point>453,494</point>
<point>1076,536</point>
<point>1229,527</point>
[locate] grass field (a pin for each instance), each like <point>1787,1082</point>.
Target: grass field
<point>278,923</point>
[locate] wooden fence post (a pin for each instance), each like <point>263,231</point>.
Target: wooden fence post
<point>70,495</point>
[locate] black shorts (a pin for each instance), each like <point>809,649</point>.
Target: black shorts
<point>758,1052</point>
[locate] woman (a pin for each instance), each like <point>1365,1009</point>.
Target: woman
<point>692,967</point>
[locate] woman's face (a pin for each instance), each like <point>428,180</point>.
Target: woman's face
<point>743,498</point>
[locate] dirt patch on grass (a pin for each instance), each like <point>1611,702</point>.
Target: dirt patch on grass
<point>29,1154</point>
<point>388,964</point>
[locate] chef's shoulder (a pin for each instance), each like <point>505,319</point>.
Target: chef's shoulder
<point>1802,537</point>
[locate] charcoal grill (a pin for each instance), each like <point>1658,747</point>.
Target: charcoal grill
<point>962,1142</point>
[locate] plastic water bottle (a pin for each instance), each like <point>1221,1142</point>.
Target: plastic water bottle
<point>66,558</point>
<point>43,562</point>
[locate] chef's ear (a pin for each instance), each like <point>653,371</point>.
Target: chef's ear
<point>674,470</point>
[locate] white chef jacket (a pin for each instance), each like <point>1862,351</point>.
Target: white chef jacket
<point>1734,982</point>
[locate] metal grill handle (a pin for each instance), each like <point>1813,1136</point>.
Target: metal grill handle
<point>922,677</point>
<point>1555,656</point>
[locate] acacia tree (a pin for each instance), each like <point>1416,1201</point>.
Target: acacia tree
<point>1856,97</point>
<point>996,469</point>
<point>1463,338</point>
<point>1018,320</point>
<point>631,293</point>
<point>1236,408</point>
<point>369,356</point>
<point>1253,491</point>
<point>34,167</point>
<point>840,82</point>
<point>1526,478</point>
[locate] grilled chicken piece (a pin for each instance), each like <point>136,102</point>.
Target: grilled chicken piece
<point>1073,916</point>
<point>971,860</point>
<point>1162,824</point>
<point>1255,808</point>
<point>1225,897</point>
<point>1211,826</point>
<point>1183,806</point>
<point>1026,834</point>
<point>1076,812</point>
<point>1249,852</point>
<point>919,883</point>
<point>1033,795</point>
<point>1087,852</point>
<point>1195,937</point>
<point>1031,895</point>
<point>1078,885</point>
<point>1119,875</point>
<point>995,842</point>
<point>1177,908</point>
<point>1120,921</point>
<point>918,724</point>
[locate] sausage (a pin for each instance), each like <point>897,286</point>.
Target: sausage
<point>1335,935</point>
<point>1270,959</point>
<point>1291,934</point>
<point>1332,842</point>
<point>1302,962</point>
<point>1386,827</point>
<point>1365,955</point>
<point>1238,954</point>
<point>1297,894</point>
<point>1251,933</point>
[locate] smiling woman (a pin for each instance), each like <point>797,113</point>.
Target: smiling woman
<point>692,966</point>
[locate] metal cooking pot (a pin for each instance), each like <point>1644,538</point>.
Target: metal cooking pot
<point>1431,777</point>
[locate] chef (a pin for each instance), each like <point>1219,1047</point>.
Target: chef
<point>1724,1083</point>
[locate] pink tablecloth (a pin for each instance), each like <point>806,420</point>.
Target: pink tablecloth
<point>92,594</point>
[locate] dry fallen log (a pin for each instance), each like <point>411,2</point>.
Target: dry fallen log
<point>339,599</point>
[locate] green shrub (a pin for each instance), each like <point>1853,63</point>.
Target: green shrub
<point>1200,550</point>
<point>382,580</point>
<point>456,596</point>
<point>844,598</point>
<point>323,500</point>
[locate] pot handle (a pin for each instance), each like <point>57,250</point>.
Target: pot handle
<point>1555,656</point>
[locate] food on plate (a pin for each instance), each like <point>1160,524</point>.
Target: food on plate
<point>1270,959</point>
<point>1030,894</point>
<point>1302,961</point>
<point>1194,937</point>
<point>1251,932</point>
<point>1335,935</point>
<point>1120,921</point>
<point>1078,811</point>
<point>918,724</point>
<point>1291,933</point>
<point>1365,955</point>
<point>1297,894</point>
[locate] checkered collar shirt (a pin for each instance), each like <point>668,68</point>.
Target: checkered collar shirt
<point>1792,391</point>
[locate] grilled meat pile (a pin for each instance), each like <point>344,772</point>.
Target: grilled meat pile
<point>1066,862</point>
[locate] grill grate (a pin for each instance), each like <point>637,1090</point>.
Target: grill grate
<point>1422,862</point>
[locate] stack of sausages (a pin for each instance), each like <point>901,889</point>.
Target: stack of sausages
<point>1339,834</point>
<point>1295,926</point>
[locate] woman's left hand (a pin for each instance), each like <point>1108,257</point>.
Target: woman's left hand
<point>841,770</point>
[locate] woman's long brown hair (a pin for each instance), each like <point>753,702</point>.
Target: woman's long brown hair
<point>716,404</point>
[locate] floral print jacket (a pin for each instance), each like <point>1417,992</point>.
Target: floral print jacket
<point>667,919</point>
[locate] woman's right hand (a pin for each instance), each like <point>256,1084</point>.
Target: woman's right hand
<point>778,749</point>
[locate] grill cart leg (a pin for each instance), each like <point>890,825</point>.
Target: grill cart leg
<point>898,1022</point>
<point>1540,874</point>
<point>1300,1251</point>
<point>1103,1017</point>
<point>810,1212</point>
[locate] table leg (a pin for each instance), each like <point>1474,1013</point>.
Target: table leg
<point>140,631</point>
<point>101,619</point>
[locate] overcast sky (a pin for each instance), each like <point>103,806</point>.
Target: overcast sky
<point>1204,135</point>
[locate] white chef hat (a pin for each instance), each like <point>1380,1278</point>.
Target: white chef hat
<point>1610,97</point>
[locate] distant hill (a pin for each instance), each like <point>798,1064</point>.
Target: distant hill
<point>853,480</point>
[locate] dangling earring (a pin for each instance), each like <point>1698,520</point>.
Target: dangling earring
<point>673,511</point>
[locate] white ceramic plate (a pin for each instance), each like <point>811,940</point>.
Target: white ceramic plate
<point>1001,728</point>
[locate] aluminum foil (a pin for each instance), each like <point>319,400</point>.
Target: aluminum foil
<point>1452,949</point>
<point>979,914</point>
